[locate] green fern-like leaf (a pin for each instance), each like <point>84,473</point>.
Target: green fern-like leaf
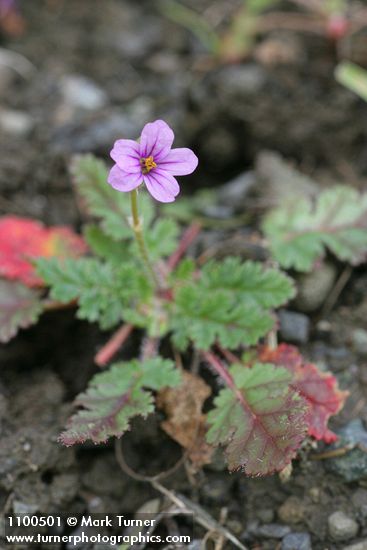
<point>204,317</point>
<point>299,232</point>
<point>114,397</point>
<point>248,282</point>
<point>102,201</point>
<point>104,246</point>
<point>262,421</point>
<point>230,303</point>
<point>105,292</point>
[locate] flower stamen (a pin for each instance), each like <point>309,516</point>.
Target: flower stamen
<point>147,164</point>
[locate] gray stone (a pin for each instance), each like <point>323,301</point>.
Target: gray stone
<point>265,515</point>
<point>292,510</point>
<point>196,544</point>
<point>314,287</point>
<point>234,192</point>
<point>294,327</point>
<point>241,80</point>
<point>273,531</point>
<point>297,541</point>
<point>81,92</point>
<point>353,465</point>
<point>342,527</point>
<point>362,545</point>
<point>15,123</point>
<point>359,339</point>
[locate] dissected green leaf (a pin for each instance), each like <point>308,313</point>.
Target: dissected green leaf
<point>248,282</point>
<point>161,239</point>
<point>102,201</point>
<point>228,303</point>
<point>261,423</point>
<point>203,317</point>
<point>299,232</point>
<point>20,307</point>
<point>104,246</point>
<point>106,292</point>
<point>117,395</point>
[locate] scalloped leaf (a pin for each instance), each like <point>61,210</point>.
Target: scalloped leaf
<point>204,317</point>
<point>261,421</point>
<point>320,389</point>
<point>23,240</point>
<point>106,292</point>
<point>230,302</point>
<point>114,397</point>
<point>299,232</point>
<point>248,282</point>
<point>100,200</point>
<point>20,307</point>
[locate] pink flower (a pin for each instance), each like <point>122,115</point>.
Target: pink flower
<point>151,161</point>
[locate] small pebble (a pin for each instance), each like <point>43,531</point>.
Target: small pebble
<point>265,515</point>
<point>273,531</point>
<point>359,339</point>
<point>362,545</point>
<point>15,123</point>
<point>341,526</point>
<point>294,327</point>
<point>292,510</point>
<point>297,541</point>
<point>82,92</point>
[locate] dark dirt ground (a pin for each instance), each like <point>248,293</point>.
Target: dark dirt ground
<point>142,67</point>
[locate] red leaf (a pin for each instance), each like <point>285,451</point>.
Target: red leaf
<point>320,389</point>
<point>22,240</point>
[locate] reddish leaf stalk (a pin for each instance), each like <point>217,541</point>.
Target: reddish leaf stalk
<point>228,355</point>
<point>107,352</point>
<point>187,239</point>
<point>218,366</point>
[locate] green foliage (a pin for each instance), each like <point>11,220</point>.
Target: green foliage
<point>352,77</point>
<point>105,292</point>
<point>261,420</point>
<point>104,246</point>
<point>248,282</point>
<point>299,232</point>
<point>20,307</point>
<point>161,239</point>
<point>192,21</point>
<point>114,397</point>
<point>102,201</point>
<point>228,303</point>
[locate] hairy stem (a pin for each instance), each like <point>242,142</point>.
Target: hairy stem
<point>138,231</point>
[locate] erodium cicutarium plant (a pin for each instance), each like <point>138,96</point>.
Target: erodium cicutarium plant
<point>137,274</point>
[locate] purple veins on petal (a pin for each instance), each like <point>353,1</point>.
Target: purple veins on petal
<point>124,181</point>
<point>156,140</point>
<point>180,162</point>
<point>162,185</point>
<point>152,161</point>
<point>126,154</point>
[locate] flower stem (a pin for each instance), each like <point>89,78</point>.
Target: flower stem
<point>138,231</point>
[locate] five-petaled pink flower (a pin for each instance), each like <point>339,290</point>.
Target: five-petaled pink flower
<point>152,161</point>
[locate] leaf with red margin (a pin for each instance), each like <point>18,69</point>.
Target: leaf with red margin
<point>261,419</point>
<point>20,307</point>
<point>320,389</point>
<point>23,240</point>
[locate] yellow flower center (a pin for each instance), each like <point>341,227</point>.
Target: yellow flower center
<point>147,164</point>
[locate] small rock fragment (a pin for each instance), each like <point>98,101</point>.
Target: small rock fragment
<point>341,526</point>
<point>273,531</point>
<point>297,541</point>
<point>294,327</point>
<point>292,510</point>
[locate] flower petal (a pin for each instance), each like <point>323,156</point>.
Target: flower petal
<point>179,162</point>
<point>162,185</point>
<point>156,140</point>
<point>124,181</point>
<point>126,154</point>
